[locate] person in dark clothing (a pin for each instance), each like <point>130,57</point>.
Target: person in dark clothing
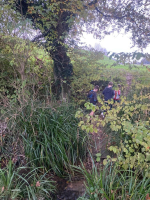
<point>93,97</point>
<point>108,93</point>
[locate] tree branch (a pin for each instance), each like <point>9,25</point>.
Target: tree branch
<point>110,16</point>
<point>92,3</point>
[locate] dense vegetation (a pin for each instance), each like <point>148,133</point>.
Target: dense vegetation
<point>48,135</point>
<point>46,130</point>
<point>125,174</point>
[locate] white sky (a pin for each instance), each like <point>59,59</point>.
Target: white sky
<point>114,43</point>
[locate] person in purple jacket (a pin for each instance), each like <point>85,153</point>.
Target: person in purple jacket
<point>108,93</point>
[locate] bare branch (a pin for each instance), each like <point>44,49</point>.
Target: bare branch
<point>110,16</point>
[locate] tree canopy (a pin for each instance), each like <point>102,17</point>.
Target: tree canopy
<point>57,18</point>
<point>60,21</point>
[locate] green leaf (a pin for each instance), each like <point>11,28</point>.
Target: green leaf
<point>95,130</point>
<point>98,159</point>
<point>114,159</point>
<point>101,191</point>
<point>98,154</point>
<point>105,161</point>
<point>95,195</point>
<point>83,127</point>
<point>91,129</point>
<point>91,189</point>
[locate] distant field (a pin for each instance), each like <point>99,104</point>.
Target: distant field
<point>127,67</point>
<point>112,64</point>
<point>105,62</point>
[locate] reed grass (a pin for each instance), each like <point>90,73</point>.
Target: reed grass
<point>51,136</point>
<point>113,183</point>
<point>25,183</point>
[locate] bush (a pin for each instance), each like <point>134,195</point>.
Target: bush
<point>128,122</point>
<point>134,150</point>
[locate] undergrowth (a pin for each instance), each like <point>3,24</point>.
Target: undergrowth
<point>25,183</point>
<point>51,135</point>
<point>113,183</point>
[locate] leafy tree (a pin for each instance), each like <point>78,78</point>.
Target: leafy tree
<point>57,20</point>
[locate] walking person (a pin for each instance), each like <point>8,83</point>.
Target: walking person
<point>93,97</point>
<point>108,93</point>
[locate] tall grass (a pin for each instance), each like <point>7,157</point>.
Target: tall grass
<point>51,136</point>
<point>25,183</point>
<point>113,183</point>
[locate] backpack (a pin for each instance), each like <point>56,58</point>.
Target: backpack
<point>90,94</point>
<point>117,95</point>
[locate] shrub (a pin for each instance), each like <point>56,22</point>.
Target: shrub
<point>128,121</point>
<point>134,150</point>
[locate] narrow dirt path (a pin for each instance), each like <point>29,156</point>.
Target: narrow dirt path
<point>100,140</point>
<point>129,82</point>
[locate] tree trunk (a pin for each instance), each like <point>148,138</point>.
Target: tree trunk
<point>62,69</point>
<point>54,34</point>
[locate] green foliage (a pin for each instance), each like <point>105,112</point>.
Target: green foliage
<point>113,183</point>
<point>51,136</point>
<point>56,18</point>
<point>86,71</point>
<point>98,157</point>
<point>22,60</point>
<point>24,182</point>
<point>93,68</point>
<point>129,121</point>
<point>132,60</point>
<point>134,150</point>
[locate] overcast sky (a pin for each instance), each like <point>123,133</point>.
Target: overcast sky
<point>114,42</point>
